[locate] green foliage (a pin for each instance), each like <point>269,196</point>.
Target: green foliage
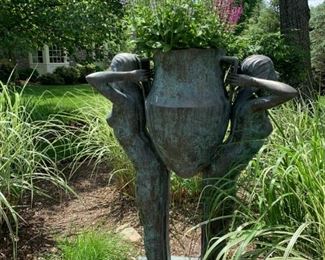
<point>24,163</point>
<point>317,37</point>
<point>286,59</point>
<point>46,101</point>
<point>28,73</point>
<point>51,79</point>
<point>73,24</point>
<point>6,68</point>
<point>85,70</point>
<point>264,20</point>
<point>262,36</point>
<point>249,7</point>
<point>281,197</point>
<point>175,24</point>
<point>275,46</point>
<point>185,189</point>
<point>95,245</point>
<point>70,75</point>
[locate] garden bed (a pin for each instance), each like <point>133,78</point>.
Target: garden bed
<point>99,206</point>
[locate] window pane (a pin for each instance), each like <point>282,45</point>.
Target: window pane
<point>40,56</point>
<point>37,56</point>
<point>56,54</point>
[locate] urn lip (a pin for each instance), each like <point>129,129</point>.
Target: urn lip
<point>219,51</point>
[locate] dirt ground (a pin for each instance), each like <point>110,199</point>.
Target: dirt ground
<point>99,205</point>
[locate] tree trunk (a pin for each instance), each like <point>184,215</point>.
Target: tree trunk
<point>294,24</point>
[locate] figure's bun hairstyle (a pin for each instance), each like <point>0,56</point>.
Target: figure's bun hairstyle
<point>259,66</point>
<point>125,62</point>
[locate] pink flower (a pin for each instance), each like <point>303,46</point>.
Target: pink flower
<point>228,11</point>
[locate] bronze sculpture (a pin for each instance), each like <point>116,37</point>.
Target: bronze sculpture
<point>180,121</point>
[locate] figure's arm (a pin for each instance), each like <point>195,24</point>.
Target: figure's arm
<point>105,77</point>
<point>281,92</point>
<point>100,80</point>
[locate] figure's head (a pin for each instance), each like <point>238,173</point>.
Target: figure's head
<point>125,62</point>
<point>259,66</point>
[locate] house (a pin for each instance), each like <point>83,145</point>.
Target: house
<point>47,59</point>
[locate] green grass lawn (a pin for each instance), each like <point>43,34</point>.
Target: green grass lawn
<point>49,100</point>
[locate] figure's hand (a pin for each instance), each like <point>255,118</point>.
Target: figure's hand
<point>240,80</point>
<point>140,75</point>
<point>231,60</point>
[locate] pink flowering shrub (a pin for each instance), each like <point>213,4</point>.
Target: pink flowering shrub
<point>229,11</point>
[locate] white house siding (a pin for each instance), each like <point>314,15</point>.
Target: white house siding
<point>46,66</point>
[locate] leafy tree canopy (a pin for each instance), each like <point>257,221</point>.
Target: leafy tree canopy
<point>317,36</point>
<point>70,23</point>
<point>264,20</point>
<point>249,8</point>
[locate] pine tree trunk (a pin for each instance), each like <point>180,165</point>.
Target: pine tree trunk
<point>294,23</point>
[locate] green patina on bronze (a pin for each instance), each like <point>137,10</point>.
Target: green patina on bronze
<point>179,123</point>
<point>187,109</point>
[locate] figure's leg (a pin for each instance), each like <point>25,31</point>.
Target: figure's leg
<point>215,204</point>
<point>152,182</point>
<point>219,182</point>
<point>222,174</point>
<point>152,190</point>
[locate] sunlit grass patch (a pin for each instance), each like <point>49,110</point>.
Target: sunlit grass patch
<point>53,100</point>
<point>95,245</point>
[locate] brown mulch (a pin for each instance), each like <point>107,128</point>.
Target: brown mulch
<point>99,205</point>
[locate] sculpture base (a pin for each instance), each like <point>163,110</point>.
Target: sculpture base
<point>174,258</point>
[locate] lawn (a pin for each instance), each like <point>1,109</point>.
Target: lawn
<point>50,100</point>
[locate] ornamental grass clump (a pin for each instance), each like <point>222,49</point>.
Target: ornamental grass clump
<point>24,160</point>
<point>176,24</point>
<point>280,212</point>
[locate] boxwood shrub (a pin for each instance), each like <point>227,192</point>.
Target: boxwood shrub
<point>51,79</point>
<point>70,75</point>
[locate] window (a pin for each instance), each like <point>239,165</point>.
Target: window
<point>37,56</point>
<point>56,54</point>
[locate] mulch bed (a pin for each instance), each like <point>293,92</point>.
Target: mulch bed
<point>99,205</point>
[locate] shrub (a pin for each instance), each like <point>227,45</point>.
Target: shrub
<point>24,74</point>
<point>70,75</point>
<point>51,79</point>
<point>6,68</point>
<point>85,70</point>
